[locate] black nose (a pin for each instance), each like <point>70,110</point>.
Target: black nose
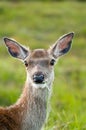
<point>38,78</point>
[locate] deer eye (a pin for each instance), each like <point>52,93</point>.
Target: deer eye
<point>26,64</point>
<point>52,62</point>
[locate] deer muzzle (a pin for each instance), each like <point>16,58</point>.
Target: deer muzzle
<point>38,78</point>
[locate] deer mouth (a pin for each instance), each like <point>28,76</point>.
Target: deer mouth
<point>40,85</point>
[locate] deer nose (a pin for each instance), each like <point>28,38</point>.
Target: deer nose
<point>38,78</point>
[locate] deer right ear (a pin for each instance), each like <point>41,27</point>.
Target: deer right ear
<point>15,49</point>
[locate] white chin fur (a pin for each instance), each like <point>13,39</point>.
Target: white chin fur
<point>39,86</point>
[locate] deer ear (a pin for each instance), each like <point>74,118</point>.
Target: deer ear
<point>62,45</point>
<point>15,49</point>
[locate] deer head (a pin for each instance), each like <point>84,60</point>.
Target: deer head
<point>40,62</point>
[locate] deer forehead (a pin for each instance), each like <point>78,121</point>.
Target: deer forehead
<point>39,53</point>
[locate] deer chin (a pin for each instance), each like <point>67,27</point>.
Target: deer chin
<point>40,85</point>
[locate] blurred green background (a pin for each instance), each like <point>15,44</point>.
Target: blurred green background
<point>39,24</point>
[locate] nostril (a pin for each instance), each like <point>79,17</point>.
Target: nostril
<point>38,78</point>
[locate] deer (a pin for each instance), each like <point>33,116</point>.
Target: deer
<point>29,112</point>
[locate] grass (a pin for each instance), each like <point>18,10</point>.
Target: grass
<point>38,25</point>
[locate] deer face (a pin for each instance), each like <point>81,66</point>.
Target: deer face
<point>39,62</point>
<point>39,65</point>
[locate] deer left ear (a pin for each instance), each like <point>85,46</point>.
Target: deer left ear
<point>15,49</point>
<point>62,45</point>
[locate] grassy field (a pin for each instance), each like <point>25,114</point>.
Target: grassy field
<point>38,25</point>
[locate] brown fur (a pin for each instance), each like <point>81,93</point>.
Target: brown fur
<point>39,53</point>
<point>9,119</point>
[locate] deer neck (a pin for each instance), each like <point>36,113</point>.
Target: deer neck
<point>33,105</point>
